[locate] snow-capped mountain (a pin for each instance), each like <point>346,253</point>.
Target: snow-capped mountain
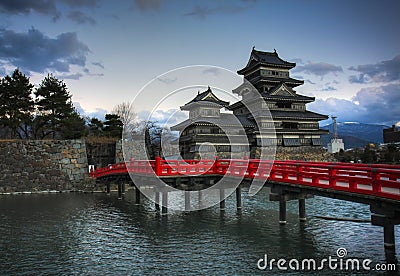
<point>355,134</point>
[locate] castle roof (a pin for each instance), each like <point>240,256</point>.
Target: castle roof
<point>206,97</point>
<point>270,59</point>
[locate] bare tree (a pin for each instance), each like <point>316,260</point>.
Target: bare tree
<point>127,115</point>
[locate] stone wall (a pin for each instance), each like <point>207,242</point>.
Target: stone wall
<point>305,153</point>
<point>44,165</point>
<point>119,155</point>
<point>101,153</point>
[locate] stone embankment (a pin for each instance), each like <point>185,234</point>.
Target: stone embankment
<point>44,165</point>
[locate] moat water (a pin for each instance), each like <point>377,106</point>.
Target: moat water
<point>96,234</point>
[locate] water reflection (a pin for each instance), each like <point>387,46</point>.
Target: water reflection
<point>99,234</point>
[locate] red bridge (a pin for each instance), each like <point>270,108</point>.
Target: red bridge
<point>376,180</point>
<point>375,185</point>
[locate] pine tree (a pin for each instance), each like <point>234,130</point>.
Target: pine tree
<point>16,104</point>
<point>113,126</point>
<point>73,127</point>
<point>54,107</point>
<point>96,127</point>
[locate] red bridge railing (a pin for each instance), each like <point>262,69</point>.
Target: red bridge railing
<point>376,180</point>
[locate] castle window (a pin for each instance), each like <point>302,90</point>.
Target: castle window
<point>284,105</point>
<point>290,125</point>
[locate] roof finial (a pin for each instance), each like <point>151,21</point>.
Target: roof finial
<point>254,47</point>
<point>198,92</point>
<point>274,50</point>
<point>209,88</point>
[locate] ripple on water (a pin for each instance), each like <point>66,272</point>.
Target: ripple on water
<point>98,234</point>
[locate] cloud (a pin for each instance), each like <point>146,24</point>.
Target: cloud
<point>370,105</point>
<point>99,113</point>
<point>81,18</point>
<point>212,70</point>
<point>167,80</point>
<point>46,7</point>
<point>25,7</point>
<point>319,68</point>
<point>75,76</point>
<point>37,52</point>
<point>203,11</point>
<point>384,71</point>
<point>99,64</point>
<point>163,117</point>
<point>297,60</point>
<point>147,5</point>
<point>81,3</point>
<point>329,88</point>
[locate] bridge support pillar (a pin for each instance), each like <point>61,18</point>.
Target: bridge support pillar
<point>157,200</point>
<point>187,200</point>
<point>164,208</point>
<point>123,188</point>
<point>119,190</point>
<point>387,217</point>
<point>302,209</point>
<point>108,188</point>
<point>200,199</point>
<point>282,211</point>
<point>222,199</point>
<point>137,196</point>
<point>388,233</point>
<point>239,197</point>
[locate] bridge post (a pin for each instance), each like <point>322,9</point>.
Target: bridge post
<point>187,200</point>
<point>108,188</point>
<point>388,237</point>
<point>157,200</point>
<point>123,188</point>
<point>222,199</point>
<point>119,190</point>
<point>282,211</point>
<point>302,209</point>
<point>239,197</point>
<point>158,165</point>
<point>137,196</point>
<point>200,198</point>
<point>164,208</point>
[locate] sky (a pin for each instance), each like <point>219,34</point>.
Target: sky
<point>347,52</point>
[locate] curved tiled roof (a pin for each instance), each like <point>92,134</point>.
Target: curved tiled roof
<point>266,58</point>
<point>208,96</point>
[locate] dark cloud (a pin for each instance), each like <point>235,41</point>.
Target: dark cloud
<point>81,3</point>
<point>310,82</point>
<point>99,64</point>
<point>75,76</point>
<point>329,88</point>
<point>48,7</point>
<point>319,68</point>
<point>212,70</point>
<point>95,74</point>
<point>37,52</point>
<point>203,11</point>
<point>370,105</point>
<point>147,5</point>
<point>167,80</point>
<point>384,71</point>
<point>13,7</point>
<point>81,18</point>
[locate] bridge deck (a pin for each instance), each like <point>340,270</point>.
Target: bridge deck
<point>369,181</point>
